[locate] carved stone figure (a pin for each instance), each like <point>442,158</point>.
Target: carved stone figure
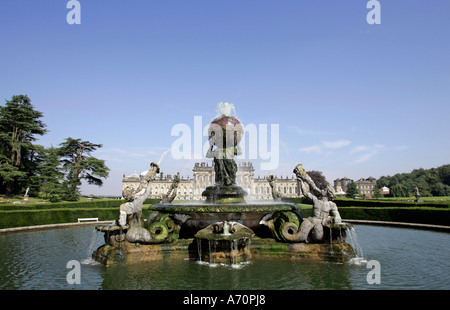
<point>130,212</point>
<point>275,194</point>
<point>417,194</point>
<point>25,197</point>
<point>324,210</point>
<point>224,132</point>
<point>172,192</point>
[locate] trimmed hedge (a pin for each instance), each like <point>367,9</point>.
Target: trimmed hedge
<point>435,216</point>
<point>389,204</point>
<point>17,215</point>
<point>64,205</point>
<point>68,212</point>
<point>10,219</point>
<point>408,215</point>
<point>151,201</point>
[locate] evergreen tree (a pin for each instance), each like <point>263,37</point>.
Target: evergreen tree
<point>352,190</point>
<point>51,175</point>
<point>19,125</point>
<point>80,165</point>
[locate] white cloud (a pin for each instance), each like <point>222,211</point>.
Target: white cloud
<point>364,158</point>
<point>314,148</point>
<point>371,150</point>
<point>325,145</point>
<point>336,144</point>
<point>359,148</point>
<point>399,148</point>
<point>368,148</point>
<point>304,132</point>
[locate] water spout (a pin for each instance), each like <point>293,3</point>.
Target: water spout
<point>226,229</point>
<point>353,238</point>
<point>162,156</point>
<point>94,242</point>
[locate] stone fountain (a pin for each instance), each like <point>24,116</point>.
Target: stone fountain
<point>224,228</point>
<point>224,243</point>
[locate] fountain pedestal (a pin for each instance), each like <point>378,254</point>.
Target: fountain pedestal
<point>224,194</point>
<point>224,243</point>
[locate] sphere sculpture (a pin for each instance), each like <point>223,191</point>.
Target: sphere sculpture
<point>224,134</point>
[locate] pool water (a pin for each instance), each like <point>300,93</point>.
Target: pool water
<point>408,259</point>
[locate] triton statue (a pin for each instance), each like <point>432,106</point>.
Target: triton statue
<point>324,210</point>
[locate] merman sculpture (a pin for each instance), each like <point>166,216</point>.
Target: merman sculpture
<point>172,192</point>
<point>324,210</point>
<point>135,198</point>
<point>130,211</point>
<point>276,195</point>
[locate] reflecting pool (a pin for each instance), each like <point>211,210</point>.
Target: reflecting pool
<point>409,259</point>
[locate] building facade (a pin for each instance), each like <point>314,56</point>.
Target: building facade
<point>340,185</point>
<point>366,186</point>
<point>204,175</point>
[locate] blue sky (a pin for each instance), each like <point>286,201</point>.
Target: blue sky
<point>351,99</point>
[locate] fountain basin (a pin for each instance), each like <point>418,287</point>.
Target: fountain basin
<point>200,215</point>
<point>259,248</point>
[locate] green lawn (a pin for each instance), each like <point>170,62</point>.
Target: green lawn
<point>436,198</point>
<point>33,200</point>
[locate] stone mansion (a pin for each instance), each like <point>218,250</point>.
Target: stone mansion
<point>204,175</point>
<point>257,188</point>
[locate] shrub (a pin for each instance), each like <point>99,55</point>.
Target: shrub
<point>408,215</point>
<point>54,216</point>
<point>389,203</point>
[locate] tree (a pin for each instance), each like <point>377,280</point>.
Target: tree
<point>318,179</point>
<point>399,190</point>
<point>440,189</point>
<point>352,190</point>
<point>431,182</point>
<point>80,165</point>
<point>51,176</point>
<point>444,174</point>
<point>19,124</point>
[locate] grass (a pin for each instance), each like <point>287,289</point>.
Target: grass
<point>34,200</point>
<point>431,199</point>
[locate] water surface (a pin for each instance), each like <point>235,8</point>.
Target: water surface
<point>409,259</point>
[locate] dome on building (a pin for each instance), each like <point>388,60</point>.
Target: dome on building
<point>133,175</point>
